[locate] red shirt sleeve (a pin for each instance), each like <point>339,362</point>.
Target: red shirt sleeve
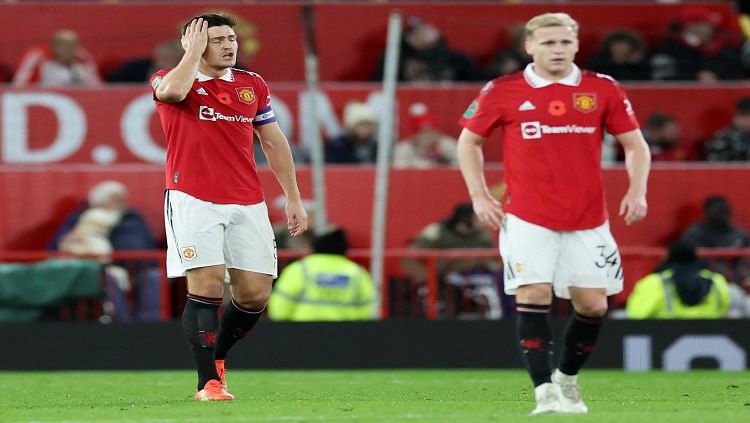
<point>619,116</point>
<point>155,80</point>
<point>484,114</point>
<point>264,94</point>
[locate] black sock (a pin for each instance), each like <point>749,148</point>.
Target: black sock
<point>200,323</point>
<point>535,341</point>
<point>236,322</point>
<point>579,340</point>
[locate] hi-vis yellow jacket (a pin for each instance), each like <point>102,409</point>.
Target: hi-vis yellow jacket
<point>655,297</point>
<point>323,287</point>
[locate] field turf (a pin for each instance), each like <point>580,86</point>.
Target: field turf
<point>367,396</point>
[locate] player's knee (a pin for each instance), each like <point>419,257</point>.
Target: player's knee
<point>252,299</point>
<point>206,281</point>
<point>255,304</point>
<point>207,289</point>
<point>592,310</point>
<point>534,294</point>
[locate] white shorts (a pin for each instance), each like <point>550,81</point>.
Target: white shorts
<point>534,254</point>
<point>200,234</point>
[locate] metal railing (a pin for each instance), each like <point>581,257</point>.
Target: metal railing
<point>432,298</point>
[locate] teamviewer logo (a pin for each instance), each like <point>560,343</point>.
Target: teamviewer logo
<point>206,113</point>
<point>531,130</point>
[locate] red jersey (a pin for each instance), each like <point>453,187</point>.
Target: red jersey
<point>552,141</point>
<point>210,136</point>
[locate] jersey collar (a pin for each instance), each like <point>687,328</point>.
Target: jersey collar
<point>228,76</point>
<point>573,79</point>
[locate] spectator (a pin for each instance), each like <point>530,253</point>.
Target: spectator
<point>90,235</point>
<point>662,133</point>
<point>510,60</point>
<point>62,62</point>
<point>681,288</point>
<point>698,49</point>
<point>426,147</point>
<point>716,230</point>
<point>622,56</point>
<point>426,57</point>
<point>732,144</point>
<point>104,224</point>
<point>165,55</point>
<point>130,233</point>
<point>324,286</point>
<point>466,280</point>
<point>358,143</point>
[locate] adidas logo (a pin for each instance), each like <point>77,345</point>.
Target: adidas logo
<point>525,106</point>
<point>201,91</point>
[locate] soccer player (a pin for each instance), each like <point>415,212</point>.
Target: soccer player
<point>554,230</point>
<point>215,215</point>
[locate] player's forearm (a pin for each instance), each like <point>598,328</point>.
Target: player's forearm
<point>177,83</point>
<point>638,165</point>
<point>280,159</point>
<point>471,163</point>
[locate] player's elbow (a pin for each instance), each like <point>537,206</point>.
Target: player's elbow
<point>469,141</point>
<point>169,94</point>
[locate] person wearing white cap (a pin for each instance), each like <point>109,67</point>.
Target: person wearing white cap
<point>358,144</point>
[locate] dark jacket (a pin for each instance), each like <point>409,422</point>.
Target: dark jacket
<point>344,149</point>
<point>674,60</point>
<point>439,63</point>
<point>636,71</point>
<point>132,233</point>
<point>729,145</point>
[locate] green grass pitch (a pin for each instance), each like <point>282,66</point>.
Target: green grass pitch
<point>367,396</point>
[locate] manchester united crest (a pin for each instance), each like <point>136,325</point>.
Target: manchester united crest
<point>585,102</point>
<point>188,253</point>
<point>246,94</point>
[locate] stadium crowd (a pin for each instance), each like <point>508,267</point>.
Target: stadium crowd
<point>698,46</point>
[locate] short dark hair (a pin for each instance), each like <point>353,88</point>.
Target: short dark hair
<point>631,37</point>
<point>715,201</point>
<point>681,252</point>
<point>743,106</point>
<point>659,119</point>
<point>463,212</point>
<point>334,242</point>
<point>213,19</point>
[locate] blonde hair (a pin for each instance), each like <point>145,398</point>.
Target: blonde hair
<point>550,19</point>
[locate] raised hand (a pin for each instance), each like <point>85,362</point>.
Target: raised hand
<point>196,36</point>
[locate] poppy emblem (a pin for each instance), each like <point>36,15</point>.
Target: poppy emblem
<point>224,98</point>
<point>246,95</point>
<point>556,108</point>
